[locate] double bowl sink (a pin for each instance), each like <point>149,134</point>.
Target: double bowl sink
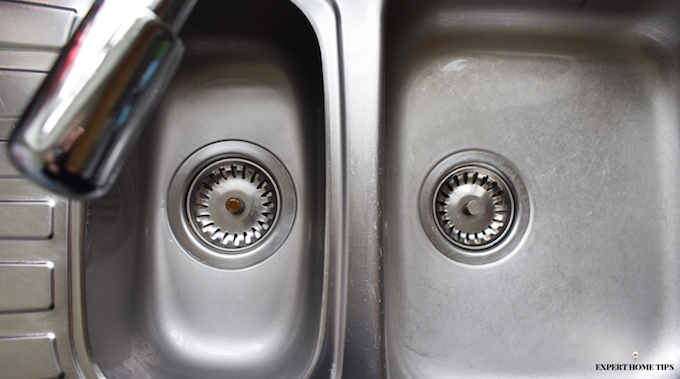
<point>440,189</point>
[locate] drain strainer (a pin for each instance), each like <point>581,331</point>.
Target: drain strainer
<point>232,204</point>
<point>474,207</point>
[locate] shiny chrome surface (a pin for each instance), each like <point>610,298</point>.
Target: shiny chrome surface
<point>581,99</point>
<point>235,250</point>
<point>232,204</point>
<point>75,134</point>
<point>504,207</point>
<point>473,207</point>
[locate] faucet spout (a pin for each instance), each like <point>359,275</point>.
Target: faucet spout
<point>89,111</point>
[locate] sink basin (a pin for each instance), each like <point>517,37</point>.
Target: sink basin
<point>160,301</point>
<point>575,105</point>
<point>378,189</point>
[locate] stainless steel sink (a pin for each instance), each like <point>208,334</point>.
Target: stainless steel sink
<point>378,189</point>
<point>162,301</point>
<point>575,103</point>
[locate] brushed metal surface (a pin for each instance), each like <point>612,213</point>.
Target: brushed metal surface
<point>29,357</point>
<point>18,26</point>
<point>81,7</point>
<point>583,102</point>
<point>50,321</point>
<point>361,36</point>
<point>153,309</point>
<point>26,220</point>
<point>30,339</point>
<point>7,170</point>
<point>581,97</point>
<point>16,90</point>
<point>26,286</point>
<point>31,60</point>
<point>6,127</point>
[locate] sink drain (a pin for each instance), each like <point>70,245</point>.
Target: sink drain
<point>474,207</point>
<point>231,204</point>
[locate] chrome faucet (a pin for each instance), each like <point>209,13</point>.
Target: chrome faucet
<point>86,116</point>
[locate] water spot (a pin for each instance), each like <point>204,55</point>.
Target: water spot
<point>142,356</point>
<point>455,66</point>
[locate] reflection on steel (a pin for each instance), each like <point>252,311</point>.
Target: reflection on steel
<point>84,119</point>
<point>232,204</point>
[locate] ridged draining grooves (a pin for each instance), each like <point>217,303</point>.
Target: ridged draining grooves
<point>232,204</point>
